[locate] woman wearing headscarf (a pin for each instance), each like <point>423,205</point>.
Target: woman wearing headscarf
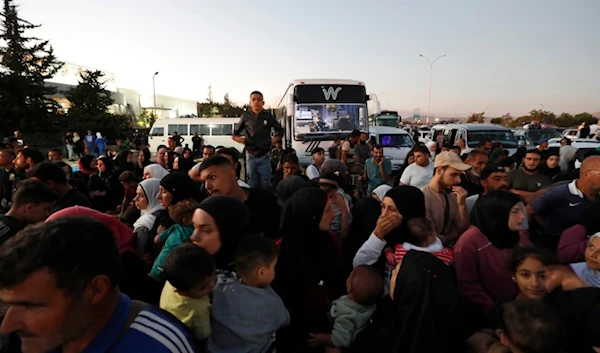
<point>220,223</point>
<point>432,146</point>
<point>589,271</point>
<point>87,167</point>
<point>146,201</point>
<point>420,315</point>
<point>123,161</point>
<point>519,155</point>
<point>287,187</point>
<point>309,270</point>
<point>105,188</point>
<point>143,160</point>
<point>365,214</point>
<point>550,166</point>
<point>134,281</point>
<point>174,188</point>
<point>100,144</point>
<point>483,250</point>
<point>155,171</point>
<point>399,205</point>
<point>498,155</point>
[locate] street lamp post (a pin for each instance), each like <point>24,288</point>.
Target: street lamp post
<point>154,91</point>
<point>541,105</point>
<point>430,78</point>
<point>387,96</point>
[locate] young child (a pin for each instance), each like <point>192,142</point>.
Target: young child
<point>190,274</point>
<point>352,312</point>
<point>246,310</point>
<point>422,238</point>
<point>330,183</point>
<point>181,213</point>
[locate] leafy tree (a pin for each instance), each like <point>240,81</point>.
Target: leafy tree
<point>496,121</point>
<point>147,117</point>
<point>587,117</point>
<point>565,119</point>
<point>90,102</point>
<point>26,63</point>
<point>476,118</point>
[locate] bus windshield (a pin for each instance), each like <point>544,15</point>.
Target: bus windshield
<point>330,118</point>
<point>387,121</point>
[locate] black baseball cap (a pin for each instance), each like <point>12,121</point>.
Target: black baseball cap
<point>317,150</point>
<point>491,169</point>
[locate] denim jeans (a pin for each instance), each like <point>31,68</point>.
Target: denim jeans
<point>70,151</point>
<point>258,171</point>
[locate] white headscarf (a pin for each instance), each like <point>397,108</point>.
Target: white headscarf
<point>98,135</point>
<point>588,275</point>
<point>381,190</point>
<point>156,171</point>
<point>151,188</point>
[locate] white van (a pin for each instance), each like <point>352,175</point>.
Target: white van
<point>396,143</point>
<point>214,131</point>
<point>473,133</point>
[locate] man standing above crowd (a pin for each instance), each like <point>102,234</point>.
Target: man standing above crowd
<point>527,181</point>
<point>445,200</point>
<point>257,124</point>
<point>348,155</point>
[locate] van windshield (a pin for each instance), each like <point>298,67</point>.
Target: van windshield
<point>396,140</point>
<point>505,137</point>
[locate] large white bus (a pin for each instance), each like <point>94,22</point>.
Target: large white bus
<point>215,131</point>
<point>314,112</point>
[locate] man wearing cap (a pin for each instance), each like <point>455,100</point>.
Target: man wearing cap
<point>445,200</point>
<point>543,147</point>
<point>313,171</point>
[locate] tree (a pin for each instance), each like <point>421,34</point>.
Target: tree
<point>26,63</point>
<point>566,120</point>
<point>496,121</point>
<point>476,118</point>
<point>585,117</point>
<point>90,102</point>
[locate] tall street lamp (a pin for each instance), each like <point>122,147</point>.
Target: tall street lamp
<point>430,77</point>
<point>387,95</point>
<point>154,91</point>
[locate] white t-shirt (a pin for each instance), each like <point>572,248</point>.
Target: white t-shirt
<point>312,172</point>
<point>417,176</point>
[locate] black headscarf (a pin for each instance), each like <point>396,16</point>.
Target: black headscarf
<point>425,306</point>
<point>410,202</point>
<point>182,187</point>
<point>490,215</point>
<point>519,155</point>
<point>232,218</point>
<point>288,187</point>
<point>108,163</point>
<point>121,163</point>
<point>550,172</point>
<point>147,156</point>
<point>364,215</point>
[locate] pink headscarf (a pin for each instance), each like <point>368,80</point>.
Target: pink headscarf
<point>124,236</point>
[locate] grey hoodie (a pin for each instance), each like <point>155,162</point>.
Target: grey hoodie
<point>244,319</point>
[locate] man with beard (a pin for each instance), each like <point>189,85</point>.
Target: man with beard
<point>27,158</point>
<point>527,181</point>
<point>362,150</point>
<point>469,180</point>
<point>445,200</point>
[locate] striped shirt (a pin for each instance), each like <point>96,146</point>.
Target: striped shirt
<point>446,254</point>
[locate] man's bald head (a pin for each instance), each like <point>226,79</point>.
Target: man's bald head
<point>590,163</point>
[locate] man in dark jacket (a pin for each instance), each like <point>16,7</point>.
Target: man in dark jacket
<point>257,124</point>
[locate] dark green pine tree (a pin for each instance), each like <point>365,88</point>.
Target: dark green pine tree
<point>90,102</point>
<point>25,63</point>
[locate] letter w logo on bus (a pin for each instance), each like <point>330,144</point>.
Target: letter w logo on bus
<point>331,92</point>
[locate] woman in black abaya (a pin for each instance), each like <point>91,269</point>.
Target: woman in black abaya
<point>420,315</point>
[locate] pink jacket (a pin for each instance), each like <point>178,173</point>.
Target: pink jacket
<point>571,247</point>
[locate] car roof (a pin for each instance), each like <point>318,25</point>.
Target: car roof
<point>474,126</point>
<point>387,130</point>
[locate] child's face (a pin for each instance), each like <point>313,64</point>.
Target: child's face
<point>256,102</point>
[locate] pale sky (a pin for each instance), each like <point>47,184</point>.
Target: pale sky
<point>505,56</point>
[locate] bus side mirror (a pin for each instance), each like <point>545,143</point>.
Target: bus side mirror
<point>290,106</point>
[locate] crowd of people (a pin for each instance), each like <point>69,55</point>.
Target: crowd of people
<point>466,252</point>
